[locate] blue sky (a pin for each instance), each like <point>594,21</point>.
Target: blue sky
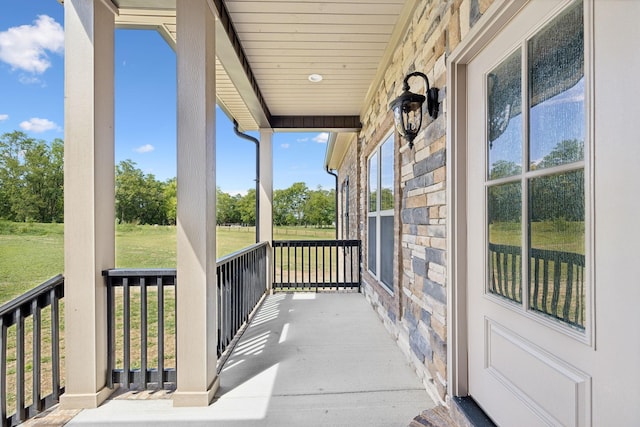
<point>32,100</point>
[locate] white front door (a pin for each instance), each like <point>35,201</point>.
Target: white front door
<point>530,311</point>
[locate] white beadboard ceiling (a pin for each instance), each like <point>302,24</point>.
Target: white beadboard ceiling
<point>347,42</point>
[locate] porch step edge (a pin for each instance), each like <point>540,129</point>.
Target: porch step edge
<point>466,413</point>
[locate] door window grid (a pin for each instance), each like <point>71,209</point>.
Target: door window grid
<point>550,190</point>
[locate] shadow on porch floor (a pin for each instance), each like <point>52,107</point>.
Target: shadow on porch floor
<point>305,360</point>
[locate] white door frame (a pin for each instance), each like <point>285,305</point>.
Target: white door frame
<point>498,14</point>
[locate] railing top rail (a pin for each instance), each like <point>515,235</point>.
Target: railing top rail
<point>328,242</point>
<point>239,253</point>
<point>30,295</point>
<point>139,272</point>
<point>549,254</point>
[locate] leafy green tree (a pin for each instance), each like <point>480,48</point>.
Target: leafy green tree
<point>227,208</point>
<point>288,204</point>
<point>12,148</point>
<point>567,151</point>
<point>503,168</point>
<point>31,178</point>
<point>140,198</point>
<point>42,187</point>
<point>171,200</point>
<point>246,207</point>
<point>319,208</point>
<point>559,196</point>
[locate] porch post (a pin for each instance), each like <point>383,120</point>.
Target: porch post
<point>196,292</point>
<point>266,185</point>
<point>266,196</point>
<point>89,207</point>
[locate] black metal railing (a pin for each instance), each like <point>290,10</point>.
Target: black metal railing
<point>142,314</point>
<point>27,372</point>
<point>141,327</point>
<point>556,285</point>
<point>316,265</point>
<point>242,281</point>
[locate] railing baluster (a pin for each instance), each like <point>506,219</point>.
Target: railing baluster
<point>536,283</point>
<point>3,371</point>
<point>55,343</point>
<point>545,284</point>
<point>161,333</point>
<point>20,365</point>
<point>111,333</point>
<point>126,325</point>
<point>36,355</point>
<point>568,292</point>
<point>143,379</point>
<point>344,262</point>
<point>555,300</point>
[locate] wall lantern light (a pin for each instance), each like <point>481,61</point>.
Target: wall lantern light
<point>407,108</point>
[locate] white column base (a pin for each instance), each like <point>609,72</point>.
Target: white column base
<point>85,400</point>
<point>196,398</point>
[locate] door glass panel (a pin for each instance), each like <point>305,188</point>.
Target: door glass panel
<point>557,240</point>
<point>504,91</point>
<point>556,91</point>
<point>551,201</point>
<point>505,240</point>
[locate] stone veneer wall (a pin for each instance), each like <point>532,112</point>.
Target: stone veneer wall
<point>416,312</point>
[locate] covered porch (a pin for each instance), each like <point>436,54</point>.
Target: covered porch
<point>314,358</point>
<point>306,359</point>
<point>221,47</point>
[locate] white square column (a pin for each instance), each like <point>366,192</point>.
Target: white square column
<point>89,197</point>
<point>196,290</point>
<point>266,197</point>
<point>266,185</point>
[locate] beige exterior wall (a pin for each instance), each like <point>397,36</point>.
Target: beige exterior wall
<point>415,313</point>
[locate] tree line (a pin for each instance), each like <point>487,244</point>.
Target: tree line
<point>32,178</point>
<point>552,197</point>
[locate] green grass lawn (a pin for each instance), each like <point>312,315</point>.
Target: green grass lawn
<point>31,253</point>
<point>558,235</point>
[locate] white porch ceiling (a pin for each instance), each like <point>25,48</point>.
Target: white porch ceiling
<point>347,42</point>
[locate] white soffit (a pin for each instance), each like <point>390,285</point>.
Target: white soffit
<point>348,42</point>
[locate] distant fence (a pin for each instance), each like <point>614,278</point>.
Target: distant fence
<point>556,285</point>
<point>316,265</point>
<point>30,333</point>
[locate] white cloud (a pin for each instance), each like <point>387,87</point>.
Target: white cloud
<point>3,117</point>
<point>284,145</point>
<point>302,139</point>
<point>25,47</point>
<point>147,148</point>
<point>38,125</point>
<point>322,138</point>
<point>30,80</point>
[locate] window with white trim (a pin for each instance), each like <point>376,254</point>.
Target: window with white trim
<point>380,219</point>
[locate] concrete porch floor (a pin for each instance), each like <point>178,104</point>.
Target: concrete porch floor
<point>306,360</point>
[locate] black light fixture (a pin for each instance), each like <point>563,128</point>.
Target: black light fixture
<point>407,108</point>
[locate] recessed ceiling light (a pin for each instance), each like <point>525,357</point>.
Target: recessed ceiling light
<point>315,78</point>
